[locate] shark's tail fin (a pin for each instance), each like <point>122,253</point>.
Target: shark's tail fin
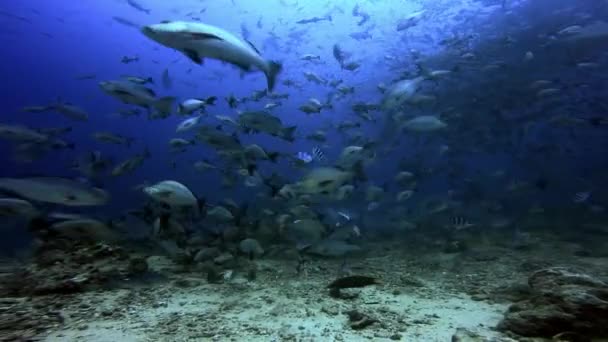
<point>273,69</point>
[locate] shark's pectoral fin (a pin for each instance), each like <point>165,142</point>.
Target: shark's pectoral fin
<point>242,66</point>
<point>193,55</point>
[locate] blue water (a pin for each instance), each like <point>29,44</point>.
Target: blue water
<point>47,44</point>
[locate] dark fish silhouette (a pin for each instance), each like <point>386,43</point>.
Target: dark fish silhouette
<point>353,281</point>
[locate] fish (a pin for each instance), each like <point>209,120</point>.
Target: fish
<point>36,109</point>
<point>363,35</point>
<point>581,197</point>
<point>167,81</point>
<point>305,157</point>
<point>218,139</point>
<point>253,181</point>
<point>19,133</point>
<point>188,124</point>
<point>332,248</point>
<point>91,165</point>
<point>245,33</point>
<point>198,40</point>
<point>410,21</point>
<point>313,20</point>
<point>271,105</point>
<point>113,138</point>
<point>265,122</point>
<point>356,12</point>
<point>128,112</point>
<point>227,120</point>
<point>137,79</point>
<point>16,207</point>
<point>85,229</point>
<point>339,54</point>
<point>353,157</point>
<point>251,247</point>
<point>317,154</point>
<point>318,135</point>
<point>56,190</point>
<point>138,95</point>
<point>189,106</point>
<point>344,215</point>
<point>179,145</point>
<point>130,164</point>
<point>404,195</point>
<point>322,181</point>
<point>85,77</point>
<point>126,22</point>
<point>373,206</point>
<point>256,152</point>
<point>172,193</point>
<point>353,281</point>
<point>232,101</point>
<point>136,5</point>
<point>344,90</point>
<point>424,123</point>
<point>220,214</point>
<point>310,57</point>
<point>460,223</point>
<point>70,111</point>
<point>311,76</point>
<point>351,66</point>
<point>128,59</point>
<point>203,165</point>
<point>401,92</point>
<point>313,106</point>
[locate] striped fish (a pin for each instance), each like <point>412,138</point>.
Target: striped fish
<point>317,154</point>
<point>460,222</point>
<point>581,197</point>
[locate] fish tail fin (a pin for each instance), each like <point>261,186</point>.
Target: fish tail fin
<point>273,156</point>
<point>329,17</point>
<point>423,71</point>
<point>288,132</point>
<point>164,104</point>
<point>211,100</point>
<point>38,224</point>
<point>147,153</point>
<point>150,80</point>
<point>272,71</point>
<point>359,172</point>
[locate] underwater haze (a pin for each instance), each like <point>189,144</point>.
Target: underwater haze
<point>290,170</point>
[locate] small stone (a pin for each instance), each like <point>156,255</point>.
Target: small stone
<point>464,335</point>
<point>330,310</point>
